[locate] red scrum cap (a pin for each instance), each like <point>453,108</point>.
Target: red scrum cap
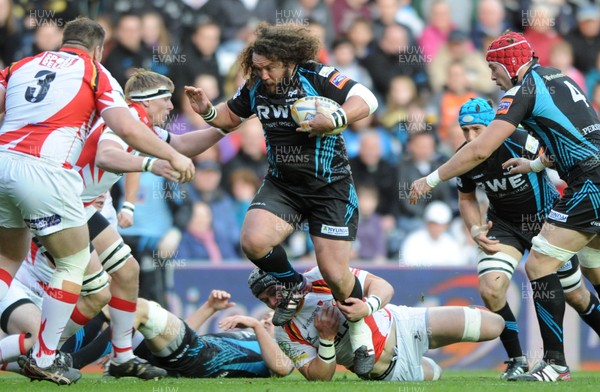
<point>511,51</point>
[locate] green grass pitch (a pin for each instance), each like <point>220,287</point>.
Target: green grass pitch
<point>453,381</point>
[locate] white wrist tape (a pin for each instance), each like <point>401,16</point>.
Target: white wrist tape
<point>476,230</point>
<point>222,132</point>
<point>537,165</point>
<point>128,208</point>
<point>433,179</point>
<point>211,115</point>
<point>339,118</point>
<point>326,350</point>
<point>374,303</point>
<point>147,164</point>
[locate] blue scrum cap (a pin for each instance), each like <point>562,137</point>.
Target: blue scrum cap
<point>476,111</point>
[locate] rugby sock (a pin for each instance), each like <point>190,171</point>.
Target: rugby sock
<point>122,314</point>
<point>75,323</point>
<point>510,335</point>
<point>591,315</point>
<point>360,333</point>
<point>5,279</point>
<point>549,304</point>
<point>84,336</point>
<point>57,307</point>
<point>276,263</point>
<point>90,353</point>
<point>12,346</point>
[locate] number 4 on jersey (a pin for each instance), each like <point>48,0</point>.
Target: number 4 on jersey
<point>576,94</point>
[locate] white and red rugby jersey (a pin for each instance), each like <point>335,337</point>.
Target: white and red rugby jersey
<point>95,180</point>
<point>51,101</point>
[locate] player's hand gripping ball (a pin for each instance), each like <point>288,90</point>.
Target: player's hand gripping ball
<point>304,109</point>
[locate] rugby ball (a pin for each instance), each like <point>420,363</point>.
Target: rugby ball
<point>304,109</point>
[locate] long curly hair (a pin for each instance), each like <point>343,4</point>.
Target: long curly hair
<point>288,43</point>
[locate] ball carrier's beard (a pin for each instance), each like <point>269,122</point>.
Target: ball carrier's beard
<point>282,85</point>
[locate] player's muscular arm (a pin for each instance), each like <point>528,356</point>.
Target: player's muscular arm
<point>471,214</point>
<point>222,117</point>
<point>141,138</point>
<point>356,109</point>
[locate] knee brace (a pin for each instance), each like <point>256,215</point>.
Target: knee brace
<point>498,262</point>
<point>94,283</point>
<point>437,369</point>
<point>589,257</point>
<point>569,275</point>
<point>115,256</point>
<point>472,325</point>
<point>541,245</point>
<point>70,268</point>
<point>157,321</point>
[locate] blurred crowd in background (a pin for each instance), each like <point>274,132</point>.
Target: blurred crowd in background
<point>423,59</point>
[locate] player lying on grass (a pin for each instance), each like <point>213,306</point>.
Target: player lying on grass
<point>316,339</point>
<point>173,344</point>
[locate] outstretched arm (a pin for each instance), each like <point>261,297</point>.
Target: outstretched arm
<point>465,159</point>
<point>217,300</point>
<point>471,214</point>
<point>276,360</point>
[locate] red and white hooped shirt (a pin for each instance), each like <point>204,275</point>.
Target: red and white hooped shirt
<point>52,100</point>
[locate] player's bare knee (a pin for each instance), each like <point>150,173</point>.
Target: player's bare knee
<point>253,246</point>
<point>128,274</point>
<point>141,311</point>
<point>578,299</point>
<point>491,296</point>
<point>100,299</point>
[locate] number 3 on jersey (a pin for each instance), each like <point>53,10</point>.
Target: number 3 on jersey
<point>576,94</point>
<point>44,78</point>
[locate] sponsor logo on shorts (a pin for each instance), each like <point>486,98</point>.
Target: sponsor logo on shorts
<point>566,266</point>
<point>335,230</point>
<point>44,222</point>
<point>258,203</point>
<point>557,216</point>
<point>595,223</point>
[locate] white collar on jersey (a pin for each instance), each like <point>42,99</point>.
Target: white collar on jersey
<point>150,94</point>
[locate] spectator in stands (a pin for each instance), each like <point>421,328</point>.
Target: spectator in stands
<point>344,12</point>
<point>433,245</point>
<point>457,91</point>
<point>198,241</point>
<point>152,221</point>
<point>48,36</point>
<point>421,156</point>
<point>344,59</point>
<point>157,41</point>
<point>368,168</point>
<point>360,33</point>
<point>540,31</point>
<point>489,25</point>
<point>401,95</point>
<point>106,21</point>
<point>205,188</point>
<point>384,14</point>
<point>244,184</point>
<point>585,39</point>
<point>128,53</point>
<point>201,54</point>
<point>315,10</point>
<point>238,18</point>
<point>460,49</point>
<point>371,244</point>
<point>318,30</point>
<point>438,28</point>
<point>186,119</point>
<point>10,37</point>
<point>252,153</point>
<point>592,78</point>
<point>561,57</point>
<point>595,94</point>
<point>394,55</point>
<point>409,17</point>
